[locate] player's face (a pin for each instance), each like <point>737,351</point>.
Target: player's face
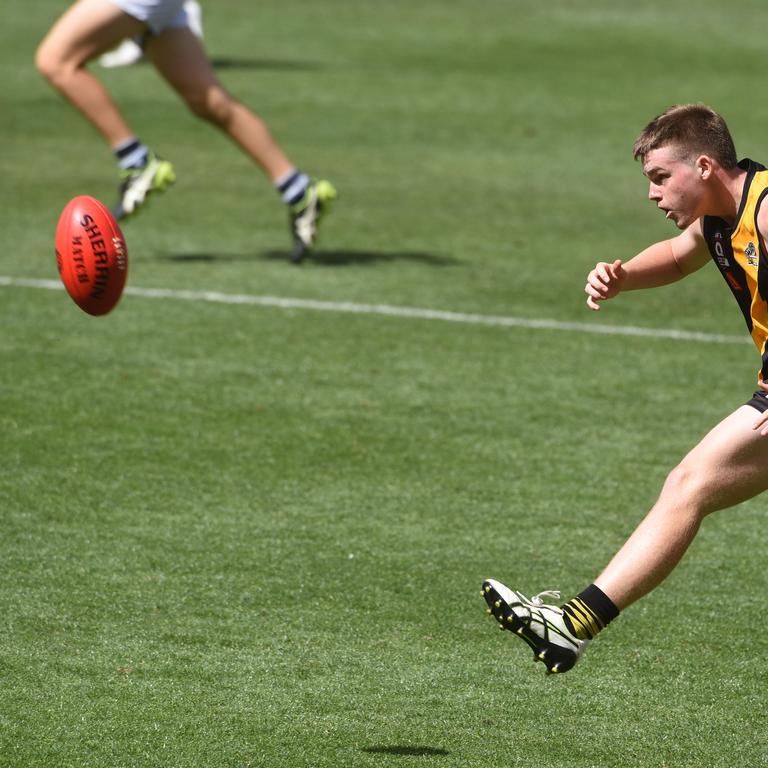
<point>675,185</point>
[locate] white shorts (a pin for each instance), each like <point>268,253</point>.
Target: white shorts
<point>156,14</point>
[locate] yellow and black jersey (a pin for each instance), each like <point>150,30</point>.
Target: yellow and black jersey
<point>735,248</point>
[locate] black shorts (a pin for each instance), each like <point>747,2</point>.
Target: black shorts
<point>759,401</point>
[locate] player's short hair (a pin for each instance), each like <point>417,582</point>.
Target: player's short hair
<point>694,128</point>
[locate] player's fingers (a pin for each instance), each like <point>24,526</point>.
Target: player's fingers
<point>594,280</point>
<point>597,291</point>
<point>761,421</point>
<point>615,269</point>
<point>593,304</point>
<point>601,270</point>
<point>601,284</point>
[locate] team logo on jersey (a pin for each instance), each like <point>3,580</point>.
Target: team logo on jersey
<point>751,253</point>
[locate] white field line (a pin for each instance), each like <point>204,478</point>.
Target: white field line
<point>403,312</point>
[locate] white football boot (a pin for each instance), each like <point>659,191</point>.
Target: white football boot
<point>127,53</point>
<point>540,624</point>
<point>137,183</point>
<point>130,51</point>
<point>306,215</point>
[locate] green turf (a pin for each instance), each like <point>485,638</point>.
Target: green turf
<point>250,536</point>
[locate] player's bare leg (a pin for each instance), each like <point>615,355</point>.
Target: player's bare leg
<point>85,30</point>
<point>179,56</point>
<point>181,59</point>
<point>728,466</point>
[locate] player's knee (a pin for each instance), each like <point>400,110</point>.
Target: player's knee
<point>686,487</point>
<point>51,66</point>
<point>45,63</point>
<point>213,105</point>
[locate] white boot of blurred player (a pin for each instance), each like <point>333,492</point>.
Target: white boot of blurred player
<point>129,51</point>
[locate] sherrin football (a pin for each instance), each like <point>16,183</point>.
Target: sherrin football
<point>91,255</point>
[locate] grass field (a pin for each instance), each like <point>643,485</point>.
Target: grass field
<point>249,535</point>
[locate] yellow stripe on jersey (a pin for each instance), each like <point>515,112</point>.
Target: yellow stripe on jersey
<point>736,250</point>
<point>745,243</point>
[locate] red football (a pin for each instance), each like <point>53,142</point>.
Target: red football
<point>91,255</point>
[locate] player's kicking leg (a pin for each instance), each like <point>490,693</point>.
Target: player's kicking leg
<point>728,466</point>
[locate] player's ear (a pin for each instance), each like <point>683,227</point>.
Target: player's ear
<point>704,166</point>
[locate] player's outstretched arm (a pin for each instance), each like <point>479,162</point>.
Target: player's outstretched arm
<point>662,263</point>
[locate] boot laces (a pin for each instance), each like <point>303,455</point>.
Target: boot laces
<point>537,599</point>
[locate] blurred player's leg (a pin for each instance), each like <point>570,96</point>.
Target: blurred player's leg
<point>86,29</point>
<point>181,59</point>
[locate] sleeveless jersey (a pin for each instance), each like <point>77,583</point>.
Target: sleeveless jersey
<point>735,249</point>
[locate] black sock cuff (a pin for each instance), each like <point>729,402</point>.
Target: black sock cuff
<point>600,603</point>
<point>126,148</point>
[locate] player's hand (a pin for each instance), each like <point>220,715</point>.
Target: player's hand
<point>761,422</point>
<point>604,282</point>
